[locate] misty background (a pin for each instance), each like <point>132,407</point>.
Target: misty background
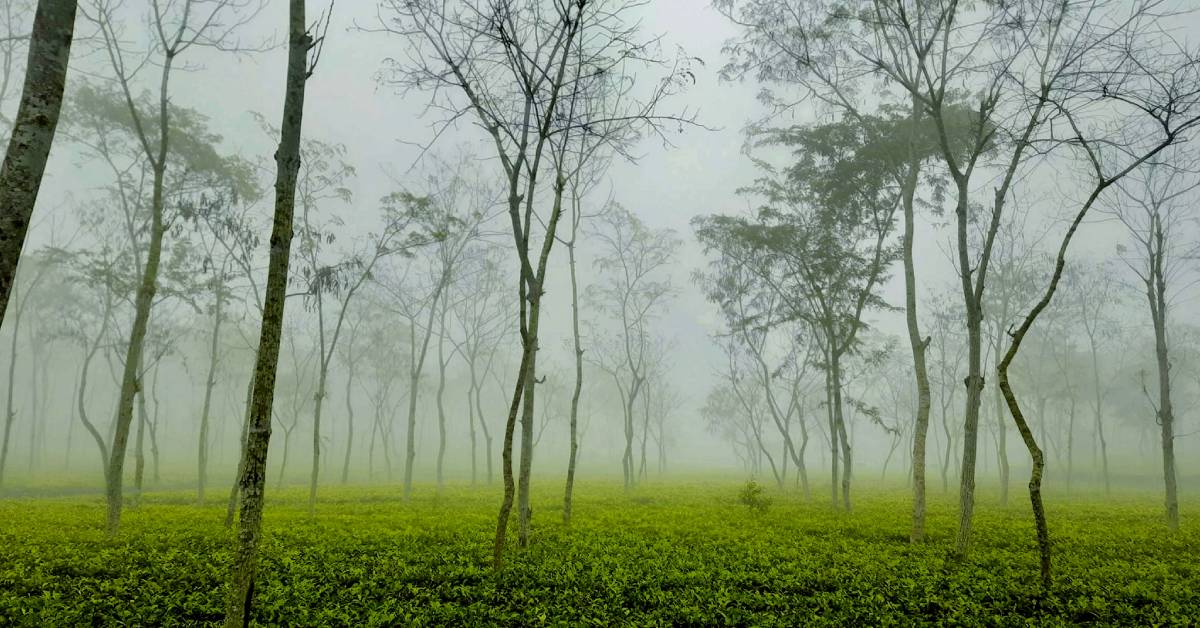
<point>395,142</point>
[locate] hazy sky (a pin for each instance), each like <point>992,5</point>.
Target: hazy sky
<point>667,187</point>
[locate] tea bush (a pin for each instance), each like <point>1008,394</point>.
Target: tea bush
<point>681,554</point>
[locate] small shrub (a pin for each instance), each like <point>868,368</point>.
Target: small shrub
<point>752,496</point>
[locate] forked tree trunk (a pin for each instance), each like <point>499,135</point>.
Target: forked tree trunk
<point>33,131</point>
<point>253,478</point>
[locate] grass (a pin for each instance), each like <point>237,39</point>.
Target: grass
<point>686,553</point>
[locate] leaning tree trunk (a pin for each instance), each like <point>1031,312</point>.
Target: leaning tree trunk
<point>33,131</point>
<point>131,380</point>
<point>253,478</point>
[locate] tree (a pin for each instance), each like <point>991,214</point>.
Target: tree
<point>1155,100</point>
<point>510,65</point>
<point>1155,206</point>
<point>756,318</point>
<point>1094,293</point>
<point>175,29</point>
<point>821,241</point>
<point>634,292</point>
<point>451,214</point>
<point>482,311</point>
<point>287,158</point>
<point>22,298</point>
<point>323,176</point>
<point>33,129</point>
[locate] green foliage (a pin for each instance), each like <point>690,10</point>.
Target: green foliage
<point>751,495</point>
<point>667,555</point>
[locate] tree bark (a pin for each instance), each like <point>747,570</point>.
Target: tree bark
<point>253,478</point>
<point>33,131</point>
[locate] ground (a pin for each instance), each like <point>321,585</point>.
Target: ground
<point>681,553</point>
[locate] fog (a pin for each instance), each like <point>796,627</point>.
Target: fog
<point>394,141</point>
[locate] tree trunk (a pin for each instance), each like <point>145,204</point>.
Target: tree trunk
<point>209,383</point>
<point>569,493</point>
<point>10,413</point>
<point>487,434</point>
<point>1166,411</point>
<point>418,364</point>
<point>235,490</point>
<point>253,478</point>
<point>349,420</point>
<point>974,388</point>
<point>139,467</point>
<point>506,469</point>
<point>154,425</point>
<point>1071,442</point>
<point>1099,410</point>
<point>440,399</point>
<point>524,511</point>
<point>1002,428</point>
<point>131,380</point>
<point>840,422</point>
<point>916,343</point>
<point>318,404</point>
<point>471,429</point>
<point>33,131</point>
